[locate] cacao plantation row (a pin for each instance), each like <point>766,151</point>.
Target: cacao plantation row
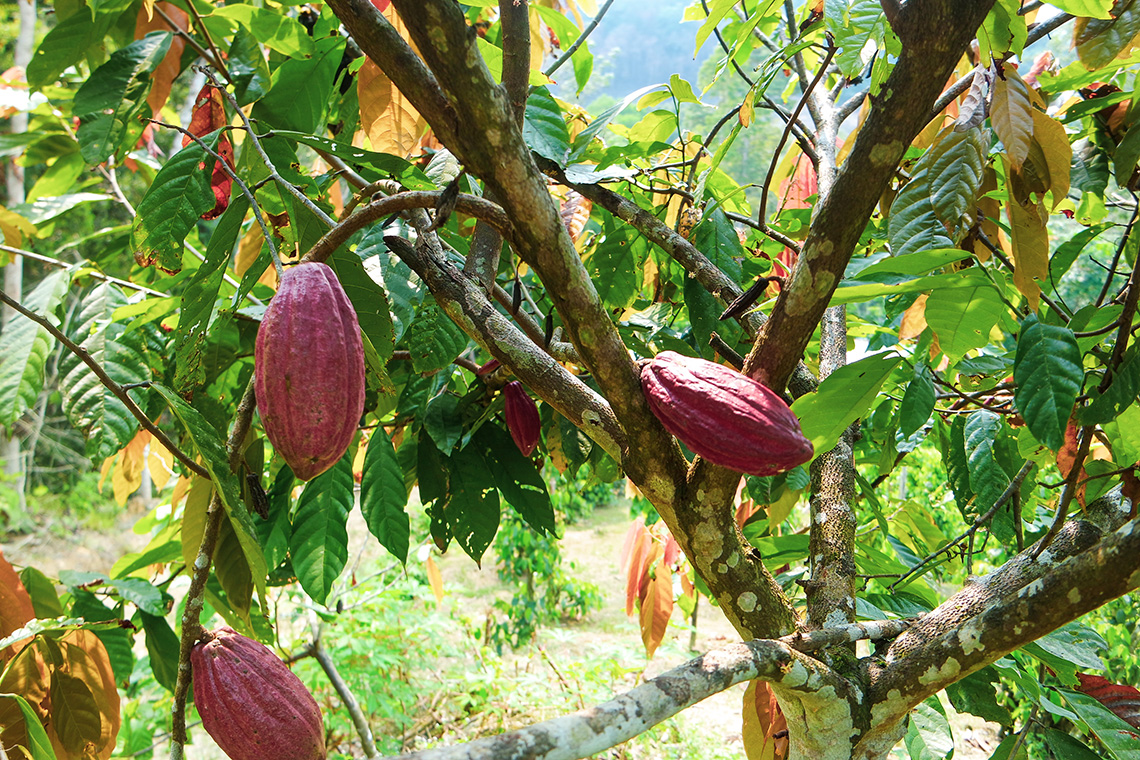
<point>846,308</point>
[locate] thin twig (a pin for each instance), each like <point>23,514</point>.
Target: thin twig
<point>347,699</point>
<point>209,41</point>
<point>570,51</point>
<point>94,275</point>
<point>220,161</point>
<point>1117,254</point>
<point>180,32</point>
<point>289,187</point>
<point>110,384</point>
<point>979,521</point>
<point>760,217</point>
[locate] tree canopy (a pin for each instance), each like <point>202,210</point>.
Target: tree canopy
<point>934,262</point>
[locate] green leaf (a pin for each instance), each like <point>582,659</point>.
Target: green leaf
<point>209,445</point>
<point>1066,253</point>
<point>1100,40</point>
<point>45,600</point>
<point>301,87</point>
<point>117,641</point>
<point>368,301</point>
<point>443,420</point>
<point>1011,114</point>
<point>472,508</point>
<point>408,174</point>
<point>113,98</point>
<point>987,479</point>
<point>277,32</point>
<point>956,163</point>
<point>200,295</point>
<point>842,398</point>
<point>976,694</point>
<point>1119,395</point>
<point>963,317</point>
<point>544,128</point>
<point>858,28</point>
<point>124,356</point>
<point>517,478</point>
<point>232,570</point>
<point>918,401</point>
<point>177,198</point>
<point>319,544</point>
<point>1048,372</point>
<point>433,339</point>
<point>1068,747</point>
<point>1084,8</point>
<point>716,238</point>
<point>615,265</point>
<point>25,348</point>
<point>40,746</point>
<point>162,648</point>
<point>914,225</point>
<point>1119,737</point>
<point>75,713</point>
<point>65,45</point>
<point>383,496</point>
<point>928,735</point>
<point>402,285</point>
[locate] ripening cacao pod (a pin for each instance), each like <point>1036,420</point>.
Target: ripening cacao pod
<point>252,705</point>
<point>522,417</point>
<point>309,370</point>
<point>724,416</point>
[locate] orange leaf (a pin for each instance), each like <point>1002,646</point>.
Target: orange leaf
<point>26,675</point>
<point>86,661</point>
<point>15,605</point>
<point>167,71</point>
<point>1067,455</point>
<point>209,115</point>
<point>635,568</point>
<point>435,578</point>
<point>764,730</point>
<point>656,607</point>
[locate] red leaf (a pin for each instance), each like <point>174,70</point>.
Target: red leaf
<point>381,5</point>
<point>1067,455</point>
<point>209,115</point>
<point>1121,699</point>
<point>15,604</point>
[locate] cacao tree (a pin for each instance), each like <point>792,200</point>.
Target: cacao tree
<point>895,270</point>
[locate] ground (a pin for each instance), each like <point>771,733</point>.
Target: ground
<point>568,658</point>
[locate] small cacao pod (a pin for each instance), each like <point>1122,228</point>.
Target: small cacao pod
<point>309,370</point>
<point>724,416</point>
<point>522,417</point>
<point>252,705</point>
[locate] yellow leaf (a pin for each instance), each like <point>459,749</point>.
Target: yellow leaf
<point>1050,136</point>
<point>1030,248</point>
<point>248,250</point>
<point>392,124</point>
<point>1011,113</point>
<point>779,510</point>
<point>180,488</point>
<point>539,42</point>
<point>15,228</point>
<point>160,462</point>
<point>194,518</point>
<point>914,319</point>
<point>148,5</point>
<point>434,578</point>
<point>127,475</point>
<point>108,463</point>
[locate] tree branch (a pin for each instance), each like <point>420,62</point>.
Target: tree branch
<point>467,305</point>
<point>195,595</point>
<point>598,728</point>
<point>116,389</point>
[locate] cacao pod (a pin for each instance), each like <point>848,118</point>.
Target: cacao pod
<point>252,705</point>
<point>522,417</point>
<point>309,370</point>
<point>724,416</point>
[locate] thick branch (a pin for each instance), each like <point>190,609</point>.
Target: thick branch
<point>467,305</point>
<point>934,34</point>
<point>1061,590</point>
<point>596,729</point>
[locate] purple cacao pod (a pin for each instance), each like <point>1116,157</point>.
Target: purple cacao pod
<point>252,705</point>
<point>724,416</point>
<point>309,370</point>
<point>522,417</point>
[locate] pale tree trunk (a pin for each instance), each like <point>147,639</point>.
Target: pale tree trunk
<point>14,273</point>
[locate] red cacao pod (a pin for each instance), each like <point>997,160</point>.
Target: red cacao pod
<point>522,417</point>
<point>724,416</point>
<point>309,370</point>
<point>252,705</point>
